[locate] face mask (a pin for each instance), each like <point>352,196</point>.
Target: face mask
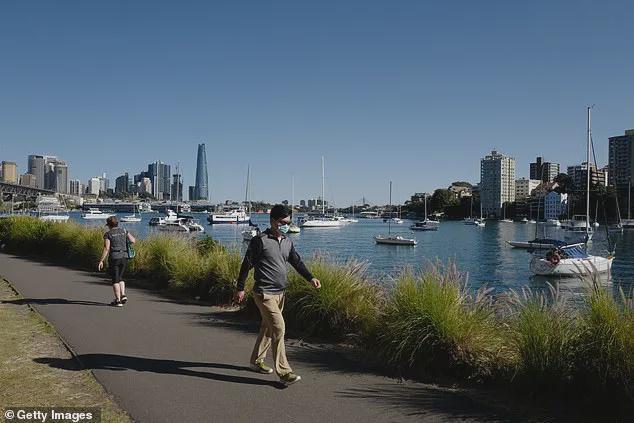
<point>283,228</point>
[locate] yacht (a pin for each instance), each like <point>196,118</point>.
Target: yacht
<point>322,222</point>
<point>132,218</point>
<point>145,208</point>
<point>579,228</point>
<point>177,225</point>
<point>425,224</point>
<point>391,239</point>
<point>570,261</point>
<point>553,223</point>
<point>236,217</point>
<point>94,213</point>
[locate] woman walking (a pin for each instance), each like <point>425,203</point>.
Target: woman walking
<point>115,247</point>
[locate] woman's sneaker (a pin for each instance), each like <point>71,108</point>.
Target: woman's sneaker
<point>124,299</point>
<point>116,303</point>
<point>290,378</point>
<point>260,367</point>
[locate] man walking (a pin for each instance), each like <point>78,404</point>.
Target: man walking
<point>268,253</point>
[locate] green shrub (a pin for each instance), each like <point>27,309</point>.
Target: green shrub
<point>346,304</point>
<point>432,325</point>
<point>605,359</point>
<point>542,336</point>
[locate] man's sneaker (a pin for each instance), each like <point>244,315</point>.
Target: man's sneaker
<point>290,378</point>
<point>124,299</point>
<point>116,303</point>
<point>260,367</point>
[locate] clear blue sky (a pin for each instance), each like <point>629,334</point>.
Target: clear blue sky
<point>412,91</point>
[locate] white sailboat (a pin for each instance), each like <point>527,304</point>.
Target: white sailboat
<point>425,224</point>
<point>133,217</point>
<point>293,228</point>
<point>470,220</point>
<point>573,260</point>
<point>252,232</point>
<point>480,223</point>
<point>323,221</point>
<point>393,239</point>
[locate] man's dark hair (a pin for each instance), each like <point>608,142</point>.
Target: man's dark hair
<point>279,211</point>
<point>112,222</point>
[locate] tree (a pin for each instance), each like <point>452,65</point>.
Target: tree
<point>440,199</point>
<point>564,184</point>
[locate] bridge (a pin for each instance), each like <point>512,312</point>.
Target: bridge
<point>15,190</point>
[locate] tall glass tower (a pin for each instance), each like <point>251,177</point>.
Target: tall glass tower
<point>201,189</point>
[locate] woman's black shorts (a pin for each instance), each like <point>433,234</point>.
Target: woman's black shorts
<point>117,267</point>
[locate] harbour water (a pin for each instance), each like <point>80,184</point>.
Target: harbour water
<point>482,253</point>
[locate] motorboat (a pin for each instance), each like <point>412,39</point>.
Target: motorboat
<point>192,223</point>
<point>322,222</point>
<point>52,212</point>
<point>570,261</point>
<point>293,228</point>
<point>177,225</point>
<point>249,234</point>
<point>425,225</point>
<point>397,220</point>
<point>579,228</point>
<point>145,208</point>
<point>94,213</point>
<point>469,221</point>
<point>507,220</point>
<point>394,240</point>
<point>540,244</point>
<point>236,217</point>
<point>553,223</point>
<point>524,220</point>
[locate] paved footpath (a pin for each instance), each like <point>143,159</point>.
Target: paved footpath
<point>166,361</point>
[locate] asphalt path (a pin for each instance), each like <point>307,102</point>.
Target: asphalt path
<point>170,361</point>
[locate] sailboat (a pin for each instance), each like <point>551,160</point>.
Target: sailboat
<point>425,224</point>
<point>480,222</point>
<point>253,231</point>
<point>323,221</point>
<point>574,260</point>
<point>293,228</point>
<point>133,217</point>
<point>504,219</point>
<point>629,222</point>
<point>393,239</point>
<point>618,227</point>
<point>470,220</point>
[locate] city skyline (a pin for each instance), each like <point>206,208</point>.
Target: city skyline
<point>412,93</point>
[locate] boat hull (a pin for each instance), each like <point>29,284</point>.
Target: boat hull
<point>395,241</point>
<point>571,266</point>
<point>55,218</point>
<point>322,224</point>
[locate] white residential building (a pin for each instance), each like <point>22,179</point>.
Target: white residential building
<point>555,205</point>
<point>524,187</point>
<point>497,182</point>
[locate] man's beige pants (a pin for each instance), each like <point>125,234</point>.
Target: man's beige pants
<point>271,331</point>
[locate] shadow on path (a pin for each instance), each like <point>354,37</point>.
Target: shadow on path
<point>46,301</point>
<point>417,400</point>
<point>117,362</point>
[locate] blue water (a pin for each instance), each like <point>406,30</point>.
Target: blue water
<point>481,253</point>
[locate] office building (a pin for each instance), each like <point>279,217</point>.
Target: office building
<point>201,185</point>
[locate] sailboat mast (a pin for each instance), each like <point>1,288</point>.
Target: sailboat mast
<point>292,196</point>
<point>246,193</point>
<point>629,198</point>
<point>323,189</point>
<point>389,222</point>
<point>425,206</point>
<point>588,176</point>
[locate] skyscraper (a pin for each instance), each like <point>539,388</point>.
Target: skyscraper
<point>122,184</point>
<point>497,182</point>
<point>201,187</point>
<point>621,159</point>
<point>160,177</point>
<point>36,167</point>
